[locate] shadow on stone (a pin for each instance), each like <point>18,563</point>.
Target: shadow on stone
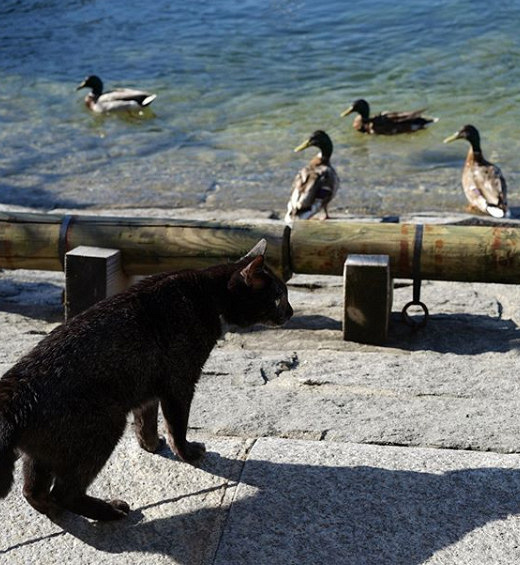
<point>312,514</point>
<point>36,300</point>
<point>313,322</point>
<point>36,197</point>
<point>462,334</point>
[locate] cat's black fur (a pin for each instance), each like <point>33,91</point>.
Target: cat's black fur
<point>64,405</point>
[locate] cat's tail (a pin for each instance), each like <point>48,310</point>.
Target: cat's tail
<point>8,453</point>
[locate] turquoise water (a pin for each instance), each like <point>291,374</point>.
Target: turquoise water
<point>239,85</point>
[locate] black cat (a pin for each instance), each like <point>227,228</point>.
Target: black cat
<point>64,405</point>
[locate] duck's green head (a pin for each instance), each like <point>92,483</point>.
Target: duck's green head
<point>93,82</point>
<point>468,132</point>
<point>318,139</point>
<point>360,106</point>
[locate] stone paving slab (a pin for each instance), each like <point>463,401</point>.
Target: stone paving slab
<point>307,502</point>
<point>177,512</point>
<point>279,501</point>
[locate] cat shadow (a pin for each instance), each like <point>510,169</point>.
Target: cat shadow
<point>297,322</point>
<point>288,513</point>
<point>313,322</point>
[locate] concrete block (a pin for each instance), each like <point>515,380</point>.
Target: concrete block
<point>368,298</point>
<point>91,274</point>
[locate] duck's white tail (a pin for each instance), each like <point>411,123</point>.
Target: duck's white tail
<point>149,99</point>
<point>495,211</point>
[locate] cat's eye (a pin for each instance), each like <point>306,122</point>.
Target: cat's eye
<point>277,302</point>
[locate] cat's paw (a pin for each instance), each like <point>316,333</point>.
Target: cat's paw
<point>152,446</point>
<point>192,453</point>
<point>121,506</point>
<point>161,444</point>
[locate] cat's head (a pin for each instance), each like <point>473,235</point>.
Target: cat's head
<point>255,293</point>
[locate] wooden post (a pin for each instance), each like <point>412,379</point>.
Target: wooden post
<point>368,298</point>
<point>91,274</point>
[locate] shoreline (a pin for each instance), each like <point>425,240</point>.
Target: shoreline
<point>249,214</point>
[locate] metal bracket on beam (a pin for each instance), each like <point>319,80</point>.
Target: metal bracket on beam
<point>417,280</point>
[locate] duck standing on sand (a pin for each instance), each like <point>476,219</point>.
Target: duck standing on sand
<point>482,181</point>
<point>122,99</point>
<point>386,123</point>
<point>316,184</point>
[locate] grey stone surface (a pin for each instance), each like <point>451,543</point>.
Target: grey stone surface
<point>323,502</point>
<point>178,512</point>
<point>341,464</point>
<point>454,384</point>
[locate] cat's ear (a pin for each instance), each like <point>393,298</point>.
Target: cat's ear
<point>258,249</point>
<point>253,273</point>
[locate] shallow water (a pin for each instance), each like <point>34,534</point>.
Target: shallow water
<point>239,85</point>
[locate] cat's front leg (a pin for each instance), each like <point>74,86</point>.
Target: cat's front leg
<point>145,426</point>
<point>176,412</point>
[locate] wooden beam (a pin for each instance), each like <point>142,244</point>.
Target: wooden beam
<point>147,245</point>
<point>150,245</point>
<point>454,253</point>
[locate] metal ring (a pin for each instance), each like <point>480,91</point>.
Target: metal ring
<point>410,321</point>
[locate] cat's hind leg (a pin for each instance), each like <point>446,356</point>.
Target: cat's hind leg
<point>79,465</point>
<point>145,426</point>
<point>71,495</point>
<point>37,485</point>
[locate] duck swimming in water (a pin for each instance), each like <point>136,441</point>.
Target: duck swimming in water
<point>316,184</point>
<point>482,181</point>
<point>386,123</point>
<point>122,99</point>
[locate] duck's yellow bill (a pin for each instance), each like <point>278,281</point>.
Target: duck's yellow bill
<point>303,146</point>
<point>451,138</point>
<point>346,112</point>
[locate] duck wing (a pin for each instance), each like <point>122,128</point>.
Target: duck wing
<point>398,122</point>
<point>486,188</point>
<point>402,116</point>
<point>491,183</point>
<point>127,95</point>
<point>311,189</point>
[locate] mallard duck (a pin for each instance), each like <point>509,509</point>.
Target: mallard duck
<point>386,123</point>
<point>122,99</point>
<point>316,184</point>
<point>482,181</point>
